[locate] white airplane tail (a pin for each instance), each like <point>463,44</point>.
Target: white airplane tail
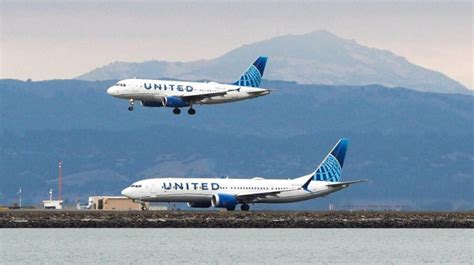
<point>330,169</point>
<point>253,76</point>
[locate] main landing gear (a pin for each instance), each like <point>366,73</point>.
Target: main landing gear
<point>191,111</point>
<point>130,106</point>
<point>244,207</point>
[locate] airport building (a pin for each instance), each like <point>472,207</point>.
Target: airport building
<point>119,203</point>
<point>52,204</point>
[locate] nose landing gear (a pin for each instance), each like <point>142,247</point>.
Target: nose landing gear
<point>130,106</point>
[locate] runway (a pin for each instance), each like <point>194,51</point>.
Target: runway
<point>237,219</point>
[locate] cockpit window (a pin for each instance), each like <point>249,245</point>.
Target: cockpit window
<point>120,84</point>
<point>135,186</point>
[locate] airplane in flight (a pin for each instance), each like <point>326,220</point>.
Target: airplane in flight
<point>228,192</point>
<point>180,94</point>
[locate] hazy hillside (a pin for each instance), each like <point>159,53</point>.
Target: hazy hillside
<point>314,58</point>
<point>416,148</point>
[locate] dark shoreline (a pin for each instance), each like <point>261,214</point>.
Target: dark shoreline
<point>237,219</point>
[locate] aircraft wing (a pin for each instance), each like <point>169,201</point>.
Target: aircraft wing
<point>250,197</point>
<point>344,183</point>
<point>202,95</point>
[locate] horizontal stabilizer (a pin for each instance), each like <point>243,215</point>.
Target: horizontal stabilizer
<point>260,92</point>
<point>344,183</point>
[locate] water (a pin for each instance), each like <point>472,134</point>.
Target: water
<point>235,246</point>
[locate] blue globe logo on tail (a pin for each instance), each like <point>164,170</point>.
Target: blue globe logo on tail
<point>330,169</point>
<point>253,76</point>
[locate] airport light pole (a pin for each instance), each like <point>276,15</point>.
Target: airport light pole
<point>60,168</point>
<point>19,197</point>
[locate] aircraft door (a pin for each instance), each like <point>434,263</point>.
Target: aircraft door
<point>154,188</point>
<point>135,89</point>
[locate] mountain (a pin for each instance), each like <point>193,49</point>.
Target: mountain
<point>319,57</point>
<point>416,148</point>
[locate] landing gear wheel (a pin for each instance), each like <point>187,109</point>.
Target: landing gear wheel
<point>244,207</point>
<point>130,108</point>
<point>176,111</point>
<point>143,206</point>
<point>191,111</point>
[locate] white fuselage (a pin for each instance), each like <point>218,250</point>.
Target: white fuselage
<point>228,192</point>
<point>202,189</point>
<point>155,90</point>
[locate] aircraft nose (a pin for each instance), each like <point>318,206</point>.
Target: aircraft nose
<point>126,192</point>
<point>112,91</point>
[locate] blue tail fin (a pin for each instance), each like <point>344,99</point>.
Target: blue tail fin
<point>331,167</point>
<point>253,76</point>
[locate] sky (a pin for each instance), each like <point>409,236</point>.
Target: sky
<point>64,39</point>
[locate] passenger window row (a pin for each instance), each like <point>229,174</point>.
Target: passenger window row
<point>257,188</point>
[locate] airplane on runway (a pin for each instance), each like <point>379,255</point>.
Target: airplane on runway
<point>227,193</point>
<point>180,94</point>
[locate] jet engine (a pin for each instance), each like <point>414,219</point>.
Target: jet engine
<point>221,200</point>
<point>199,204</point>
<point>173,102</point>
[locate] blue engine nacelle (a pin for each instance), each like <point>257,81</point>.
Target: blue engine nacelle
<point>199,204</point>
<point>173,102</point>
<point>221,200</point>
